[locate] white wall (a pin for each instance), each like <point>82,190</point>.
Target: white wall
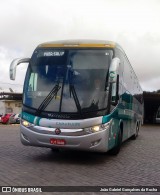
<point>2,107</point>
<point>7,106</point>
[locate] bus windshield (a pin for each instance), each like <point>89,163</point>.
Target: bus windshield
<point>67,80</point>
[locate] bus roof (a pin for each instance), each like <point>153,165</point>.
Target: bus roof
<point>79,44</point>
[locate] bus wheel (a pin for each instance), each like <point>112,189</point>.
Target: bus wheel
<point>117,148</point>
<point>136,133</point>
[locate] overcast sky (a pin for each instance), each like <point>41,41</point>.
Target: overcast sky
<point>135,25</point>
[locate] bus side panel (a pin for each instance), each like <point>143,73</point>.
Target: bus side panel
<point>130,92</point>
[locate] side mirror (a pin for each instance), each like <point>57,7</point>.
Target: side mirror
<point>14,65</point>
<point>114,80</point>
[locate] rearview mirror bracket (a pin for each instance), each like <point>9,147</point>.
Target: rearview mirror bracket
<point>14,65</point>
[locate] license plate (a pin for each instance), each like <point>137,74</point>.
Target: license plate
<point>57,141</point>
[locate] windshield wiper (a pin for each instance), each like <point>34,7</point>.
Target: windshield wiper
<point>69,79</point>
<point>48,99</point>
<point>73,91</point>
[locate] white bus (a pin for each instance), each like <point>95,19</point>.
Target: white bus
<point>81,95</point>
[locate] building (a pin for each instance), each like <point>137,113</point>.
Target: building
<point>10,102</point>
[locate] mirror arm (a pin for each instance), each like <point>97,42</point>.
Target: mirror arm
<point>23,60</point>
<point>14,64</point>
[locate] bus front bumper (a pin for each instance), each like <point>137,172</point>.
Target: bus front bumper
<point>97,142</point>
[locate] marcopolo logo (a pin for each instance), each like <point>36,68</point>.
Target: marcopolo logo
<point>61,116</point>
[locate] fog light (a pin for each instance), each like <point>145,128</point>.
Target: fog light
<point>95,142</point>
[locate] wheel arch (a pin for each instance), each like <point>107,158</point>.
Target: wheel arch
<point>121,125</point>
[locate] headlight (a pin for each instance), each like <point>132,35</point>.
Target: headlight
<point>97,128</point>
<point>26,123</point>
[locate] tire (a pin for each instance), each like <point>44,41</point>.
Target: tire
<point>56,150</point>
<point>117,148</point>
<point>136,134</point>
